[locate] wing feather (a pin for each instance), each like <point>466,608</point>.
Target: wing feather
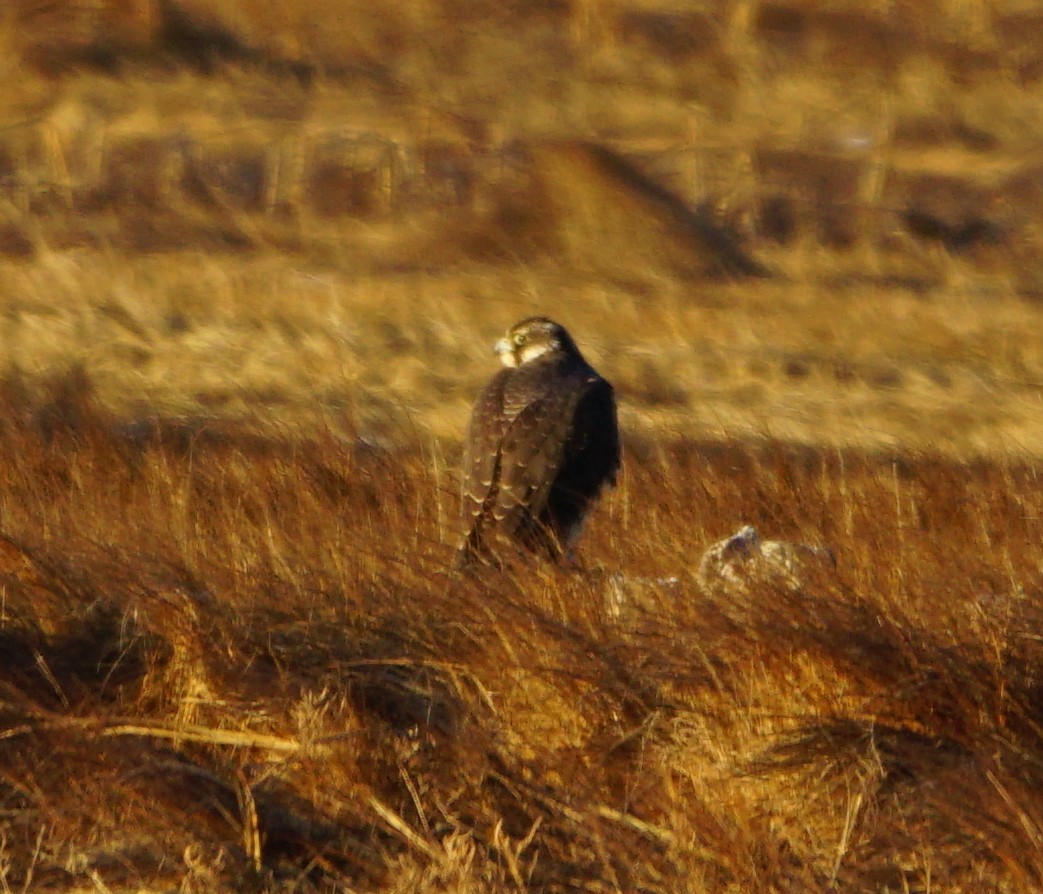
<point>531,454</point>
<point>482,449</point>
<point>524,423</point>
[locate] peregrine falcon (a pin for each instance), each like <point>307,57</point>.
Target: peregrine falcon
<point>542,442</point>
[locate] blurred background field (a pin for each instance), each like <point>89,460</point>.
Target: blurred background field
<point>308,210</point>
<point>254,254</point>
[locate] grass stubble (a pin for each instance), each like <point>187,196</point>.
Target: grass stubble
<point>250,259</point>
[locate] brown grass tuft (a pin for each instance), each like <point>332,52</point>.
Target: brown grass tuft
<point>253,257</point>
<point>248,656</point>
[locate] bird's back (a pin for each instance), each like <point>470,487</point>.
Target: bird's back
<point>541,443</point>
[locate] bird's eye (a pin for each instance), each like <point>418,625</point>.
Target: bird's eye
<point>520,338</point>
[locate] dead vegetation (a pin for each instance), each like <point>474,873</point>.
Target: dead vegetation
<point>229,658</point>
<point>252,256</point>
<point>231,209</point>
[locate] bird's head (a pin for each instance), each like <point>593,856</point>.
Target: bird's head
<point>531,338</point>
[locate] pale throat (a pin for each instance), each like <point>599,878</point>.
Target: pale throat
<point>504,349</point>
<point>511,357</point>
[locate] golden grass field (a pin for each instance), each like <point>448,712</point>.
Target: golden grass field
<point>254,257</point>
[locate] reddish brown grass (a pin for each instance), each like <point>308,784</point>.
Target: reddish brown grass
<point>228,656</point>
<point>252,256</point>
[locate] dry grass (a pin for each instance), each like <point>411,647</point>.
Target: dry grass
<point>238,210</point>
<point>253,254</point>
<point>230,657</point>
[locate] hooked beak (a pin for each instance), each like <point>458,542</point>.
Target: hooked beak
<point>505,351</point>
